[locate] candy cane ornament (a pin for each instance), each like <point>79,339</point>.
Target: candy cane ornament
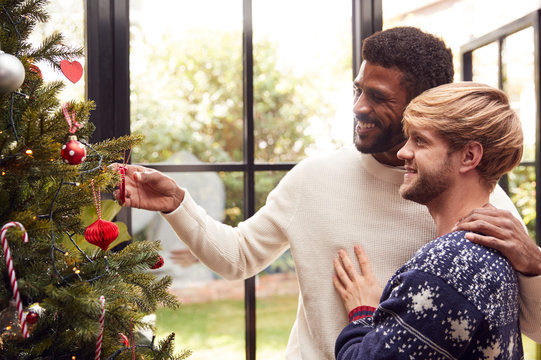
<point>102,325</point>
<point>11,272</point>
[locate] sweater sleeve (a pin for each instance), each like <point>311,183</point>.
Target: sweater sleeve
<point>530,306</point>
<point>243,251</point>
<point>403,326</point>
<point>529,286</point>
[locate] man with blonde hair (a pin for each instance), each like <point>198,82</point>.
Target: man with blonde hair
<point>454,299</point>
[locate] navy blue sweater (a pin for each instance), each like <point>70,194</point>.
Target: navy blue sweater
<point>453,300</point>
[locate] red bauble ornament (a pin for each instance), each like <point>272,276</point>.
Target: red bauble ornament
<point>158,264</point>
<point>32,317</point>
<point>101,233</point>
<point>35,69</point>
<point>73,152</point>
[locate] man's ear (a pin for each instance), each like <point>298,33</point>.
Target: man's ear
<point>472,154</point>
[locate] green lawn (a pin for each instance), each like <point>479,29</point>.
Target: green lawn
<point>215,330</point>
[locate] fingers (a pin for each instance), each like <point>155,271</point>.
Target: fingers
<point>348,265</point>
<point>491,222</point>
<point>366,268</point>
<point>341,274</point>
<point>488,241</point>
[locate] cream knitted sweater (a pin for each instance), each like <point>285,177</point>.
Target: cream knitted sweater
<point>323,204</point>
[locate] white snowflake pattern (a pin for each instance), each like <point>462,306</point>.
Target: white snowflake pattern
<point>460,329</point>
<point>492,351</point>
<point>423,300</point>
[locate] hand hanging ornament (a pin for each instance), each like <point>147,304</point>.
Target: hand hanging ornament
<point>73,152</point>
<point>102,232</point>
<point>12,73</point>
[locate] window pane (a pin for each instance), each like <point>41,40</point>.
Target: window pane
<point>186,79</point>
<point>522,192</point>
<point>302,77</point>
<point>276,289</point>
<point>211,319</point>
<point>458,21</point>
<point>485,65</point>
<point>519,85</point>
<point>66,17</point>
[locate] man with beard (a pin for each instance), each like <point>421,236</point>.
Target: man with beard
<point>454,299</point>
<point>343,198</point>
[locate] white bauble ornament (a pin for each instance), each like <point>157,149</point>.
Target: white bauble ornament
<point>11,73</point>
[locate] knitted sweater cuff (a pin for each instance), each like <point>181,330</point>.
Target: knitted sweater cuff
<point>361,312</point>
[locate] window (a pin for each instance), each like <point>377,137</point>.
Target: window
<point>229,100</point>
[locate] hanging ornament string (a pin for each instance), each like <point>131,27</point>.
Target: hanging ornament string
<point>122,172</point>
<point>97,200</point>
<point>70,118</point>
<point>102,325</point>
<point>11,272</point>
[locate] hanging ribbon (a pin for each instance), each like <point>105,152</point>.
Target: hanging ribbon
<point>72,123</point>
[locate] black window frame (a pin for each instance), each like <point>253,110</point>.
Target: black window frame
<point>108,84</point>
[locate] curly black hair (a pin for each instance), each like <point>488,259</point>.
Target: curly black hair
<point>423,58</point>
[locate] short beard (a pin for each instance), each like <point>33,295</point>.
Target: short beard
<point>382,143</point>
<point>428,186</point>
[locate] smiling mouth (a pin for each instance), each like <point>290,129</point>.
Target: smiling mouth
<point>409,169</point>
<point>365,125</point>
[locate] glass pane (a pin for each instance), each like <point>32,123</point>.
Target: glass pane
<point>276,291</point>
<point>66,17</point>
<point>522,192</point>
<point>302,77</point>
<point>186,79</point>
<point>210,321</point>
<point>457,21</point>
<point>485,65</point>
<point>519,85</point>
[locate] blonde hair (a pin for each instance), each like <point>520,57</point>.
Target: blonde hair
<point>464,112</point>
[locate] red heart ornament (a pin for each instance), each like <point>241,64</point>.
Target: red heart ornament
<point>72,70</point>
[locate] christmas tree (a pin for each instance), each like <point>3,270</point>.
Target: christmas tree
<point>73,286</point>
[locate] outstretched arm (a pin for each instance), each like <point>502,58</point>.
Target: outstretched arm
<point>149,189</point>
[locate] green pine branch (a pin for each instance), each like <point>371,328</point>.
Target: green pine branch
<point>55,203</point>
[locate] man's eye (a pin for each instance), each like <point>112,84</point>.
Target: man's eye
<point>356,91</point>
<point>378,99</point>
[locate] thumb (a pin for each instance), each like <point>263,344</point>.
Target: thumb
<point>147,177</point>
<point>141,177</point>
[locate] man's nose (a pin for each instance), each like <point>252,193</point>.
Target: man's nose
<point>360,105</point>
<point>405,152</point>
